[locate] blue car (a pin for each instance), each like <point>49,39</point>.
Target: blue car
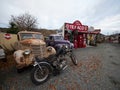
<point>57,41</point>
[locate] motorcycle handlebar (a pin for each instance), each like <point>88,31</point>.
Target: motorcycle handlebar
<point>63,51</point>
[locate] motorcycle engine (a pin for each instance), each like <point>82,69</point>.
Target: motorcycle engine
<point>60,64</point>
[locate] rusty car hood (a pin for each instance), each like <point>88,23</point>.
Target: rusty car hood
<point>33,42</point>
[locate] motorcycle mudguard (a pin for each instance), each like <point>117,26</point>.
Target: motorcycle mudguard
<point>48,64</point>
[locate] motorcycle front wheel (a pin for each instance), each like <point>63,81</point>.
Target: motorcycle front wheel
<point>38,76</point>
<point>74,60</point>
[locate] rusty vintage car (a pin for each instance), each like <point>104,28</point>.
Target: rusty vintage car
<point>28,46</point>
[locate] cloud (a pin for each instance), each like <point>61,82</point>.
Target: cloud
<point>52,14</point>
<point>109,24</point>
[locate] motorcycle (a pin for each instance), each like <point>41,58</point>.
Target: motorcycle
<point>54,64</point>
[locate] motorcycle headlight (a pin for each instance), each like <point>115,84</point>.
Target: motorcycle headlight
<point>27,52</point>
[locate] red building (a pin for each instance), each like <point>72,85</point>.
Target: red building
<point>76,33</point>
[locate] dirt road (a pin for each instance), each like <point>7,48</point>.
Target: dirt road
<point>98,69</point>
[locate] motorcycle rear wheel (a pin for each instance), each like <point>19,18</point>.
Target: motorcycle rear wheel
<point>39,77</point>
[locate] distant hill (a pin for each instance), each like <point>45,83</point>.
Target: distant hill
<point>3,29</point>
<point>45,32</point>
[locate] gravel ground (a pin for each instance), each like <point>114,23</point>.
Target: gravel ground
<point>98,69</point>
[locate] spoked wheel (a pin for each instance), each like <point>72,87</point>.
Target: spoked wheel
<point>74,60</point>
<point>38,76</point>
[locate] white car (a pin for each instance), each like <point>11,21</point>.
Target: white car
<point>2,54</point>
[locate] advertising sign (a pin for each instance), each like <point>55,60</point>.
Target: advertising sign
<point>7,36</point>
<point>96,31</point>
<point>76,26</point>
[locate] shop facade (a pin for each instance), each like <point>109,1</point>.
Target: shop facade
<point>93,37</point>
<point>76,33</point>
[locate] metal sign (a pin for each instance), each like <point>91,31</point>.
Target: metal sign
<point>76,26</point>
<point>7,36</point>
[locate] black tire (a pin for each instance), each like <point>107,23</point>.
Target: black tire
<point>74,60</point>
<point>36,70</point>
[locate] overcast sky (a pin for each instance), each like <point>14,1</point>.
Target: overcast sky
<point>52,14</point>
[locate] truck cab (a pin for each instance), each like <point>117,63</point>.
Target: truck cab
<point>30,45</point>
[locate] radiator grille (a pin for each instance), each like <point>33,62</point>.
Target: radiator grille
<point>38,50</point>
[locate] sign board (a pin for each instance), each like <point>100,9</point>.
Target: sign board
<point>96,31</point>
<point>7,36</point>
<point>76,26</point>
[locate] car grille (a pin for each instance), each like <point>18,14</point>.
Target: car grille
<point>38,50</point>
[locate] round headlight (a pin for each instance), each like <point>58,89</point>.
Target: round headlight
<point>49,49</point>
<point>66,46</point>
<point>27,52</point>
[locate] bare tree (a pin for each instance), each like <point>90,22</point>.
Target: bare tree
<point>24,22</point>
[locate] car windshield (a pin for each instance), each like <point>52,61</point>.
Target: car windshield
<point>58,38</point>
<point>31,36</point>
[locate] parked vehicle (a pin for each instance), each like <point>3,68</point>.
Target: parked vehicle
<point>57,41</point>
<point>54,64</point>
<point>29,41</point>
<point>7,41</point>
<point>2,54</point>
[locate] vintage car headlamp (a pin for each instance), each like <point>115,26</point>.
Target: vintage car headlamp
<point>49,49</point>
<point>66,46</point>
<point>27,52</point>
